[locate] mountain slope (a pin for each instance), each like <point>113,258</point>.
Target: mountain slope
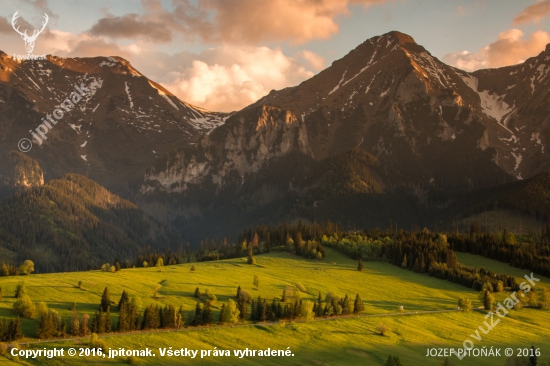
<point>73,223</point>
<point>112,134</point>
<point>431,121</point>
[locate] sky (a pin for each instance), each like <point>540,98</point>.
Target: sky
<point>223,55</point>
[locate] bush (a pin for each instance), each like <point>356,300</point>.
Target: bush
<point>97,343</point>
<point>42,308</point>
<point>245,296</point>
<point>24,307</point>
<point>3,349</point>
<point>20,290</point>
<point>301,287</point>
<point>209,296</point>
<point>382,329</point>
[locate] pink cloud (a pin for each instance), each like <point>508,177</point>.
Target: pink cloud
<point>533,13</point>
<point>509,49</point>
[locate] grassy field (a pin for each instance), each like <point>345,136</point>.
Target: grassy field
<point>350,341</point>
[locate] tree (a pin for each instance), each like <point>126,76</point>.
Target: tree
<point>155,289</point>
<point>382,329</point>
<point>533,298</point>
<point>465,304</point>
<point>532,357</point>
<point>358,305</point>
<point>75,324</point>
<point>192,268</point>
<point>207,318</point>
<point>160,264</point>
<point>238,292</point>
<point>544,297</point>
<point>24,307</point>
<point>251,259</point>
<point>393,361</point>
<point>487,298</point>
<point>447,362</point>
<point>27,267</point>
<point>306,311</point>
<point>197,320</point>
<point>197,293</point>
<point>231,315</point>
<point>123,299</point>
<point>42,308</point>
<point>221,320</point>
<point>360,265</point>
<point>404,263</point>
<point>84,328</point>
<point>145,264</point>
<point>20,289</point>
<point>105,300</point>
<point>256,282</point>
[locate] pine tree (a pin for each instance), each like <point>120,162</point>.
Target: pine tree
<point>251,259</point>
<point>404,263</point>
<point>75,324</point>
<point>84,329</point>
<point>20,290</point>
<point>360,265</point>
<point>238,292</point>
<point>346,306</point>
<point>108,320</point>
<point>197,293</point>
<point>198,315</point>
<point>243,309</point>
<point>358,305</point>
<point>221,320</point>
<point>123,299</point>
<point>207,314</point>
<point>15,332</point>
<point>256,282</point>
<point>105,300</point>
<point>533,357</point>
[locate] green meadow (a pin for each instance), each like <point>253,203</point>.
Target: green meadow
<point>338,341</point>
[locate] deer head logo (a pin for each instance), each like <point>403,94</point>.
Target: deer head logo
<point>29,40</point>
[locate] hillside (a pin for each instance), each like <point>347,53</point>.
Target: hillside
<point>529,198</point>
<point>335,342</point>
<point>73,223</point>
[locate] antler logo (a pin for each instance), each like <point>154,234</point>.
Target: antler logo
<point>29,40</point>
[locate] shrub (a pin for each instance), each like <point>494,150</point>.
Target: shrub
<point>24,307</point>
<point>301,287</point>
<point>245,296</point>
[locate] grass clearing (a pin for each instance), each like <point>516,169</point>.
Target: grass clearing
<point>382,287</point>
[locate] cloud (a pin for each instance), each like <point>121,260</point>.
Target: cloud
<point>130,26</point>
<point>533,13</point>
<point>236,21</point>
<point>317,62</point>
<point>228,78</point>
<point>509,49</point>
<point>5,25</point>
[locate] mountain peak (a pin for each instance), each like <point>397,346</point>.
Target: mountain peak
<point>399,37</point>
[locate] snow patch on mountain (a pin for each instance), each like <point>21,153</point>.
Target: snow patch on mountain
<point>339,83</point>
<point>129,96</point>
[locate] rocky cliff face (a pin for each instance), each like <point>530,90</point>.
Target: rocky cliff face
<point>20,171</point>
<point>242,146</point>
<point>436,124</point>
